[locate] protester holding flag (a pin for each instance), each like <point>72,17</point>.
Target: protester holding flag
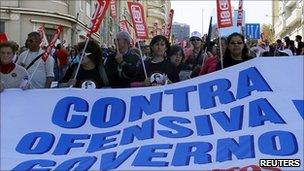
<point>157,66</point>
<point>121,67</point>
<point>42,72</point>
<point>91,73</point>
<point>11,74</point>
<point>236,51</point>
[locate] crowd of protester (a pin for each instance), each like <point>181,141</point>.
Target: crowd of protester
<point>123,66</point>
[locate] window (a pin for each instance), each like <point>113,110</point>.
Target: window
<point>2,26</point>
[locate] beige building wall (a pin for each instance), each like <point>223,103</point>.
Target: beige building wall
<point>288,18</point>
<point>23,16</point>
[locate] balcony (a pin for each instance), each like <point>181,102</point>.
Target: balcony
<point>294,17</point>
<point>279,28</point>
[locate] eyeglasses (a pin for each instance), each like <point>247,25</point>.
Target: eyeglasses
<point>30,41</point>
<point>236,43</point>
<point>195,39</point>
<point>85,54</point>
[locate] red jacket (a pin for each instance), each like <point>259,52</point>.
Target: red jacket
<point>209,65</point>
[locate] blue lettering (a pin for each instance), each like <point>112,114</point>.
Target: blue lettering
<point>249,80</point>
<point>256,110</point>
<point>146,132</point>
<point>66,142</point>
<point>233,123</point>
<point>61,112</point>
<point>197,150</point>
<point>203,125</point>
<point>29,165</point>
<point>83,163</point>
<point>140,104</point>
<point>180,98</point>
<point>99,112</point>
<point>98,141</point>
<point>45,143</point>
<point>109,160</point>
<point>287,143</point>
<point>169,122</point>
<point>227,146</point>
<point>208,93</point>
<point>147,153</point>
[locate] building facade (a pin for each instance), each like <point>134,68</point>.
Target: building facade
<point>180,31</point>
<point>288,18</point>
<point>20,17</point>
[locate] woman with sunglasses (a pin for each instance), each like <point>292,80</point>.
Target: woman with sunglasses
<point>88,75</point>
<point>11,74</point>
<point>236,52</point>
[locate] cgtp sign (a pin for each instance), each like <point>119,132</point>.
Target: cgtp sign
<point>224,14</point>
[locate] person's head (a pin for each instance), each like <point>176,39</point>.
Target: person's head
<point>159,45</point>
<point>176,54</point>
<point>7,51</point>
<point>33,41</point>
<point>92,53</point>
<point>236,46</point>
<point>58,46</point>
<point>123,40</point>
<point>298,38</point>
<point>196,40</point>
<point>223,44</point>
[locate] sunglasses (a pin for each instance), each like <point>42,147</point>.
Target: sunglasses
<point>30,41</point>
<point>236,43</point>
<point>85,54</point>
<point>195,39</point>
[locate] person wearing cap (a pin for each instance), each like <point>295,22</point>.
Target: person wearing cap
<point>195,58</point>
<point>121,66</point>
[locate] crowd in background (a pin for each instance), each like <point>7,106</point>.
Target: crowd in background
<point>123,66</point>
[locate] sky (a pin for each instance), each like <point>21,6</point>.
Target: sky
<point>191,12</point>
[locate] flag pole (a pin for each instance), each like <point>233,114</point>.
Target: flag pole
<point>81,58</point>
<point>221,50</point>
<point>142,60</point>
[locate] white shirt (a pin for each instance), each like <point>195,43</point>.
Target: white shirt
<point>43,69</point>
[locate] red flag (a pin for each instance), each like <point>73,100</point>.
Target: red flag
<point>155,27</point>
<point>240,13</point>
<point>99,13</point>
<point>123,24</point>
<point>3,37</point>
<point>52,43</point>
<point>224,14</point>
<point>169,24</point>
<point>113,11</point>
<point>138,19</point>
<point>44,41</point>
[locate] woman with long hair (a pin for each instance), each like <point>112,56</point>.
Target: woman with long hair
<point>236,52</point>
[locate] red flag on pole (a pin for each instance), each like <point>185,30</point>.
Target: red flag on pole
<point>52,43</point>
<point>169,24</point>
<point>224,13</point>
<point>113,11</point>
<point>138,20</point>
<point>3,37</point>
<point>123,24</point>
<point>240,13</point>
<point>155,27</point>
<point>100,9</point>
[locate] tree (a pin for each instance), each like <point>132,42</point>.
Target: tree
<point>268,32</point>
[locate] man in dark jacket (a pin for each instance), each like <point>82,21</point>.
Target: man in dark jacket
<point>121,67</point>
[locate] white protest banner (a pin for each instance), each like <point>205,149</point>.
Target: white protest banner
<point>248,116</point>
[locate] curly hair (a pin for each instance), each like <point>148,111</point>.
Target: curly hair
<point>92,48</point>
